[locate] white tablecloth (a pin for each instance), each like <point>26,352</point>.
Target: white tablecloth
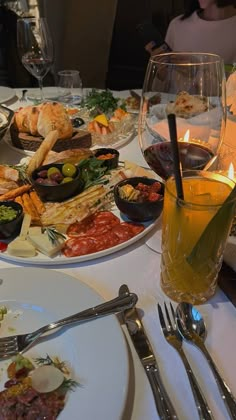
<point>139,267</point>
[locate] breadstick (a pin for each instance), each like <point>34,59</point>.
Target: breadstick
<point>10,195</point>
<point>37,202</point>
<point>39,156</point>
<point>29,207</point>
<point>19,201</point>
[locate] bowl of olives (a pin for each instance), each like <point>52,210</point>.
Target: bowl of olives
<point>57,182</point>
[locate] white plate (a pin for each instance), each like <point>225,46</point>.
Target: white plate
<point>6,94</point>
<point>95,351</point>
<point>41,259</point>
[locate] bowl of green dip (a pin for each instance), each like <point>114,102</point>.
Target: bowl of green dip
<point>11,215</point>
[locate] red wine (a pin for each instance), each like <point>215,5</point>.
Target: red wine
<point>38,66</point>
<point>192,156</point>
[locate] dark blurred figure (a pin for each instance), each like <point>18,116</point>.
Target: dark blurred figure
<point>12,71</point>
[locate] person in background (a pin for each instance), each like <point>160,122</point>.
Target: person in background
<point>206,26</point>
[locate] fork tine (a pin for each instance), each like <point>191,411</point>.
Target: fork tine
<point>173,314</point>
<point>168,317</point>
<point>6,340</point>
<point>4,355</point>
<point>161,317</point>
<point>8,345</point>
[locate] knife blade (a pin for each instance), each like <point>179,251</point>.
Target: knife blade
<point>144,350</point>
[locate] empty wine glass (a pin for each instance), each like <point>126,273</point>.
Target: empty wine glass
<point>70,87</point>
<point>35,47</point>
<point>191,86</point>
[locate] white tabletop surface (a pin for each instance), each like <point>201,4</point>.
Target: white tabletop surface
<point>139,267</point>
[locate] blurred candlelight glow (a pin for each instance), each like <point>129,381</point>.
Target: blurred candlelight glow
<point>231,172</point>
<point>186,136</point>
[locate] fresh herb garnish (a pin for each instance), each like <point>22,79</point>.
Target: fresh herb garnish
<point>92,170</point>
<point>54,235</point>
<point>69,385</point>
<point>22,169</point>
<point>41,361</point>
<point>102,102</point>
<point>215,233</point>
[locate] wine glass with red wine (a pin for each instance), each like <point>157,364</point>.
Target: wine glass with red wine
<point>191,86</point>
<point>35,47</point>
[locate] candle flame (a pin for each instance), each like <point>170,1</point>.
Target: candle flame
<point>231,171</point>
<point>186,136</point>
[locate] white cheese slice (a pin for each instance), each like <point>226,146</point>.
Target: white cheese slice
<point>21,248</point>
<point>35,230</point>
<point>44,245</point>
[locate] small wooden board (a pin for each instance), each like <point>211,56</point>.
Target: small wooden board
<point>25,141</point>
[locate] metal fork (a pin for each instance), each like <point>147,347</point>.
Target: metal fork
<point>20,343</point>
<point>173,337</point>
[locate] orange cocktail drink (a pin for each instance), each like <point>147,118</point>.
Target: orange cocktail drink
<point>194,235</point>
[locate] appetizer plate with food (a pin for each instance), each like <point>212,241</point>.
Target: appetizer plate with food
<point>69,210</point>
<point>82,356</point>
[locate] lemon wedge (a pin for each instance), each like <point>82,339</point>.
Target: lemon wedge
<point>102,119</point>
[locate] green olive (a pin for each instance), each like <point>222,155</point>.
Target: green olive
<point>66,179</point>
<point>69,170</point>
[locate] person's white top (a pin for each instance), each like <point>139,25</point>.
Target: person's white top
<point>194,34</point>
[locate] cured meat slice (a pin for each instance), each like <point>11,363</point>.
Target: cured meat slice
<point>106,218</point>
<point>80,228</point>
<point>79,246</point>
<point>101,231</point>
<point>97,224</point>
<point>135,227</point>
<point>123,232</point>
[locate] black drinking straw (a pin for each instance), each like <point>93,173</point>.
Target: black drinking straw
<point>175,152</point>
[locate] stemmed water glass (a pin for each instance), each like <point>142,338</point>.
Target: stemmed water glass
<point>192,86</point>
<point>35,47</point>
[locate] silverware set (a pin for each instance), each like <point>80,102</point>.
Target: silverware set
<point>184,323</point>
<point>174,338</point>
<point>187,323</point>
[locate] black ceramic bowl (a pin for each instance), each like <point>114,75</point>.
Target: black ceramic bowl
<point>139,212</point>
<point>110,163</point>
<point>59,192</point>
<point>6,116</point>
<point>10,229</point>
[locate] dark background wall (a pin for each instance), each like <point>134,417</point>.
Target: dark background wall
<point>128,59</point>
<point>99,38</point>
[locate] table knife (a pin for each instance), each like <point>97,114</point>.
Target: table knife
<point>143,347</point>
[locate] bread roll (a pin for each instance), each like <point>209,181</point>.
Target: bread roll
<point>32,117</point>
<point>53,116</point>
<point>187,105</point>
<point>21,120</point>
